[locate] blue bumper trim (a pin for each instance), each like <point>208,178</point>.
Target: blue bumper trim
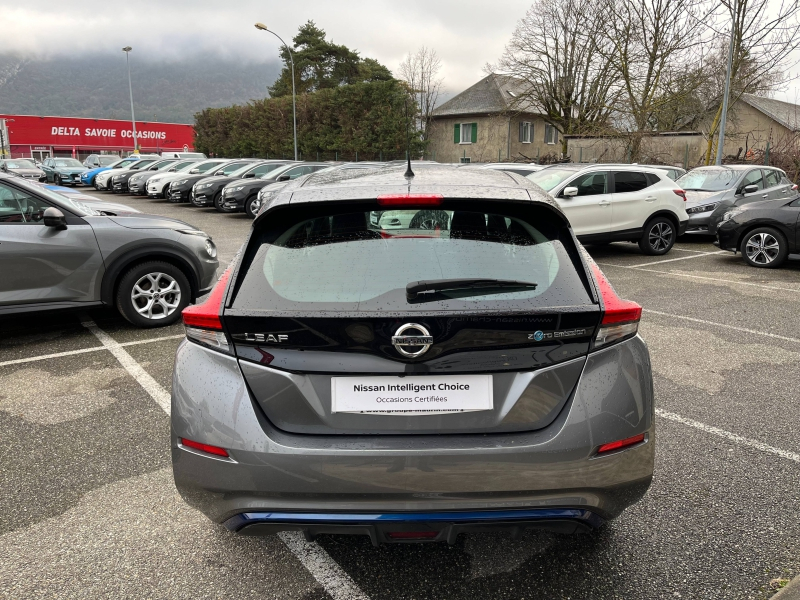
<point>241,520</point>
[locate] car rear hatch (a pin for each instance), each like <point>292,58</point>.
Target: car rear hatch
<point>429,316</point>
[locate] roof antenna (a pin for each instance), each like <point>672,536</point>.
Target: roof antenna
<point>409,173</point>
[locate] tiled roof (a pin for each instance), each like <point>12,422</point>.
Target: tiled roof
<point>492,94</point>
<point>785,113</point>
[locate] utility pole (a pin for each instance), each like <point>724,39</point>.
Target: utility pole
<point>127,50</point>
<point>721,137</point>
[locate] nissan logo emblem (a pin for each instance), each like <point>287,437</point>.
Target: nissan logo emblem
<point>401,341</point>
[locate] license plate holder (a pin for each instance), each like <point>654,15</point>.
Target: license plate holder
<point>411,395</point>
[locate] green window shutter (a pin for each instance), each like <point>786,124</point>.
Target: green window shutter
<point>457,133</point>
<point>474,137</point>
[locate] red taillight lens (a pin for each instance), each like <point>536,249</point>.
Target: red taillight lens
<point>202,321</point>
<point>410,199</point>
<point>794,188</point>
<point>205,447</point>
<point>617,309</point>
<point>621,444</point>
<point>680,193</point>
<point>621,317</point>
<point>206,314</point>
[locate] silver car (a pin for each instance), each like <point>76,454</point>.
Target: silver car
<point>22,167</point>
<point>412,384</point>
<point>712,191</point>
<point>57,252</point>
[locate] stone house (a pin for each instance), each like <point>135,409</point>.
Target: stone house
<point>488,122</point>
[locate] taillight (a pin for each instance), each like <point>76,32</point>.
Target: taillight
<point>621,317</point>
<point>680,193</point>
<point>794,188</point>
<point>202,321</point>
<point>410,199</point>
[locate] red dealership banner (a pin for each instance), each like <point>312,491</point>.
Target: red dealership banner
<point>95,133</point>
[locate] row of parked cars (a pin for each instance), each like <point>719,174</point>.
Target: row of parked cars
<point>650,205</point>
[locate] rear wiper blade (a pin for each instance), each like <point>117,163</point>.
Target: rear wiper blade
<point>431,286</point>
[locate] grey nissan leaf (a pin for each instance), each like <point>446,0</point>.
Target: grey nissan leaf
<point>470,369</point>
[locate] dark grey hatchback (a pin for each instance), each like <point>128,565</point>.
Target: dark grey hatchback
<point>409,359</point>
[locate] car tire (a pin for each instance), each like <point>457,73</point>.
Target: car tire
<point>165,191</point>
<point>139,294</point>
<point>251,206</point>
<point>659,236</point>
<point>765,248</point>
<point>57,179</point>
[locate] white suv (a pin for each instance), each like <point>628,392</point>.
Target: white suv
<point>616,203</point>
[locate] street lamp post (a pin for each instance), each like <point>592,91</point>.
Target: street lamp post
<point>3,131</point>
<point>262,27</point>
<point>127,50</point>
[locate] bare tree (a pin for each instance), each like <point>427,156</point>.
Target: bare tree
<point>420,71</point>
<point>556,51</point>
<point>653,44</point>
<point>764,33</point>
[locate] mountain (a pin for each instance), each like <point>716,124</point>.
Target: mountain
<point>97,87</point>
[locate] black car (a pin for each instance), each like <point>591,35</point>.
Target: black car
<point>137,184</point>
<point>207,191</point>
<point>764,232</point>
<point>119,183</point>
<point>237,195</point>
<point>181,190</point>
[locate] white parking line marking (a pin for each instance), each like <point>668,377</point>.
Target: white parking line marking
<point>319,563</point>
<point>728,435</point>
<point>150,385</point>
<point>734,327</point>
<point>338,584</point>
<point>758,285</point>
<point>685,250</point>
<point>18,361</point>
<point>660,262</point>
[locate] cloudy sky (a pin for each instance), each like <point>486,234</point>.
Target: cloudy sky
<point>466,34</point>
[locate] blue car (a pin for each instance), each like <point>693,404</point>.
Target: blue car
<point>87,178</point>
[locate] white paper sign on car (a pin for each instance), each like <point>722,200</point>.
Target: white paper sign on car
<point>411,395</point>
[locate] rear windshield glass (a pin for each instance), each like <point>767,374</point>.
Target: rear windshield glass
<point>363,261</point>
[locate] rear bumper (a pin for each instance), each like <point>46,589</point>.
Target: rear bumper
<point>399,527</point>
<point>275,481</point>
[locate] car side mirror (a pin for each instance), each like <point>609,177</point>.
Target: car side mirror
<point>569,192</point>
<point>194,171</point>
<point>4,167</point>
<point>750,189</point>
<point>54,218</point>
<point>249,175</point>
<point>284,178</point>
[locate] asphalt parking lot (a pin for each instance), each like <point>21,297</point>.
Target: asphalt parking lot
<point>88,507</point>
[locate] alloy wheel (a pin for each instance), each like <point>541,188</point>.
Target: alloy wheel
<point>255,206</point>
<point>660,236</point>
<point>762,248</point>
<point>156,296</point>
